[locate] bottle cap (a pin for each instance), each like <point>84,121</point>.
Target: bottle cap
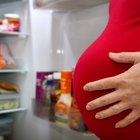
<point>66,74</point>
<point>66,81</point>
<point>11,15</point>
<point>50,77</point>
<point>57,75</point>
<point>49,80</point>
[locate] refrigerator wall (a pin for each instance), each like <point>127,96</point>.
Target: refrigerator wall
<point>58,39</point>
<point>55,40</point>
<point>20,46</point>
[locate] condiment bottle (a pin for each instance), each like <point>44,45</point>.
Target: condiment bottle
<point>64,102</point>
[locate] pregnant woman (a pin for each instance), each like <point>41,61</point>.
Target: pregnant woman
<point>122,34</point>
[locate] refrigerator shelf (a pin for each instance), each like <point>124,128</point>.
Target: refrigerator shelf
<point>70,132</point>
<point>41,111</point>
<point>19,45</point>
<point>14,70</point>
<point>18,67</point>
<point>67,4</point>
<point>10,96</point>
<point>8,1</point>
<point>19,34</point>
<point>13,110</point>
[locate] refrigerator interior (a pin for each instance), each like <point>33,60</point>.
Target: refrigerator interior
<point>58,39</point>
<point>19,44</point>
<point>55,41</point>
<point>63,36</point>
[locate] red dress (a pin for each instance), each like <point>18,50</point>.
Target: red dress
<point>122,34</point>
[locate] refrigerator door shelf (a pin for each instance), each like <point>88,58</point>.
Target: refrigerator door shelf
<point>19,34</point>
<point>8,1</point>
<point>67,4</point>
<point>72,133</point>
<point>13,110</point>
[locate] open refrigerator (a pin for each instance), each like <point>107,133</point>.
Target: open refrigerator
<point>53,34</point>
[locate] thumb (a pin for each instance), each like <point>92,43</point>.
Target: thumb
<point>124,57</point>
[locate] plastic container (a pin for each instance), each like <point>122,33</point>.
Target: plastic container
<point>13,21</point>
<point>75,119</point>
<point>9,104</point>
<point>6,125</point>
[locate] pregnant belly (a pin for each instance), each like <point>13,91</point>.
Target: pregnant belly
<point>95,64</point>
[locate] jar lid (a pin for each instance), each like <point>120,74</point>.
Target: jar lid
<point>10,15</point>
<point>66,74</point>
<point>57,75</point>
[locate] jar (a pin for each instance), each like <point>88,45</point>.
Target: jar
<point>13,22</point>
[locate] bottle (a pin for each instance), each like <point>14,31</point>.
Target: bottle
<point>13,22</point>
<point>63,104</point>
<point>49,88</point>
<point>56,87</point>
<point>55,94</point>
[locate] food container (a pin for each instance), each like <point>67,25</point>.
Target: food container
<point>13,22</point>
<point>9,104</point>
<point>75,119</point>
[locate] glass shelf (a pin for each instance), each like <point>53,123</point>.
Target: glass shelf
<point>19,34</point>
<point>10,96</point>
<point>8,1</point>
<point>13,110</point>
<point>40,110</point>
<point>18,67</point>
<point>70,132</point>
<point>67,4</point>
<point>13,71</point>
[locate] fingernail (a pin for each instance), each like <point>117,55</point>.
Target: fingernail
<point>86,88</point>
<point>88,107</point>
<point>97,116</point>
<point>117,126</point>
<point>112,54</point>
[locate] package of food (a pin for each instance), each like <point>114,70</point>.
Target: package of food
<point>6,60</point>
<point>9,104</point>
<point>41,85</point>
<point>9,86</point>
<point>75,119</point>
<point>6,92</point>
<point>41,103</point>
<point>13,21</point>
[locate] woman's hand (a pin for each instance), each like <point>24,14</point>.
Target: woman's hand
<point>126,94</point>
